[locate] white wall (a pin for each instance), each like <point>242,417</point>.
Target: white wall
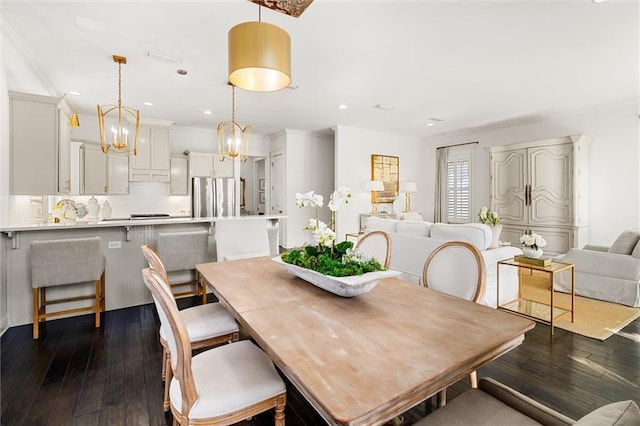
<point>354,147</point>
<point>309,166</point>
<point>614,193</point>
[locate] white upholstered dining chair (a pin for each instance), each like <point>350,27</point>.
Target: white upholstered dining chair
<point>220,386</point>
<point>376,244</point>
<point>456,268</point>
<point>207,325</point>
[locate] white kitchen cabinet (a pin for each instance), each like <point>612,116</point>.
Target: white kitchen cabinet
<point>179,184</point>
<point>542,186</point>
<point>33,135</point>
<point>151,164</point>
<point>64,149</point>
<point>103,174</point>
<point>207,164</point>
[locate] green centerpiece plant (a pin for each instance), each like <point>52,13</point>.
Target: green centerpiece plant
<point>325,255</point>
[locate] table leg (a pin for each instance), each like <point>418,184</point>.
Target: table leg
<point>551,304</point>
<point>573,291</point>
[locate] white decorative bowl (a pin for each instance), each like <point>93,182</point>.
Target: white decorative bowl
<point>354,285</point>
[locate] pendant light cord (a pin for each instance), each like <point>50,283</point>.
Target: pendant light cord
<point>259,13</point>
<point>233,104</point>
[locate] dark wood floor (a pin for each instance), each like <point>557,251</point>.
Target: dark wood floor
<point>77,375</point>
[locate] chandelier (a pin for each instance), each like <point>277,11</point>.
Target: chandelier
<point>233,137</point>
<point>120,117</point>
<point>259,56</point>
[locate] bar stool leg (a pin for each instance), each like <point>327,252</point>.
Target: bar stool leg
<point>36,308</point>
<point>98,307</point>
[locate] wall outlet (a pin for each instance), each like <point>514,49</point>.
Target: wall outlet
<point>115,244</point>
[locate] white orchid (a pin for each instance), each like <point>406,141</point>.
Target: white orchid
<point>322,234</point>
<point>355,255</point>
<point>340,196</point>
<point>309,199</point>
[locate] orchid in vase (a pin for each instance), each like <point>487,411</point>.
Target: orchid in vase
<point>325,255</point>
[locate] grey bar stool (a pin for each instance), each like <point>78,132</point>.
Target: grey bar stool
<point>66,262</point>
<point>182,251</point>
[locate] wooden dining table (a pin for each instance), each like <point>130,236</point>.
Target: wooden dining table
<point>367,359</point>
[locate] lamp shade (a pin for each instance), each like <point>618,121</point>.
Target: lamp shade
<point>374,185</point>
<point>259,57</point>
<point>408,186</point>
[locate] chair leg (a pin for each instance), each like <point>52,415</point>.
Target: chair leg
<point>167,383</point>
<point>280,405</point>
<point>164,363</point>
<point>36,309</point>
<point>103,295</point>
<point>203,287</point>
<point>474,379</point>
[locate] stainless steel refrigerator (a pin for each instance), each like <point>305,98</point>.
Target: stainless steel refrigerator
<point>213,197</point>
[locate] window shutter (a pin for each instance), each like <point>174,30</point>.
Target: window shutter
<point>459,190</point>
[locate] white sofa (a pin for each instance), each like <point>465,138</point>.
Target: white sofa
<point>413,241</point>
<point>606,273</point>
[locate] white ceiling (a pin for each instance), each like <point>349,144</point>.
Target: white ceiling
<point>471,64</point>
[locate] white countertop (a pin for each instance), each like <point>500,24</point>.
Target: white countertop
<point>111,223</point>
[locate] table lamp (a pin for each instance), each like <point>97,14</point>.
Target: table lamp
<point>408,187</point>
<point>373,186</point>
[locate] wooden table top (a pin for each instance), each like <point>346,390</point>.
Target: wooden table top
<point>353,358</point>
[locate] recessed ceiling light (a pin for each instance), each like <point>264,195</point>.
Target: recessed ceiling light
<point>342,106</point>
<point>598,1</point>
<point>74,93</point>
<point>207,112</point>
<point>164,56</point>
<point>431,124</point>
<point>383,107</point>
<point>148,104</point>
<point>181,72</point>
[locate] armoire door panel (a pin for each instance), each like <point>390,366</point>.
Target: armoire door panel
<point>508,175</point>
<point>549,211</point>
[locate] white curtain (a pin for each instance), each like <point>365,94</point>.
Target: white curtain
<point>440,204</point>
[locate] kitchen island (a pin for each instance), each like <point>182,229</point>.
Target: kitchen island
<point>121,241</point>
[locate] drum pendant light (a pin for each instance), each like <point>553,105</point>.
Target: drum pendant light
<point>259,57</point>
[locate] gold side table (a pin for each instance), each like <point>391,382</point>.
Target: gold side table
<point>355,235</point>
<point>545,313</point>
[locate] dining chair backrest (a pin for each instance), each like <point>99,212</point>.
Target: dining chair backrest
<point>153,258</point>
<point>182,251</point>
<point>376,244</point>
<point>176,335</point>
<point>241,239</point>
<point>456,268</point>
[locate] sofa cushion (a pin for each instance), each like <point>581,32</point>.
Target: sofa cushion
<point>625,242</point>
<point>477,234</point>
<point>417,229</point>
<point>413,216</point>
<point>381,224</point>
<point>621,413</point>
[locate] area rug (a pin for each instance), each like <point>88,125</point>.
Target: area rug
<point>592,318</point>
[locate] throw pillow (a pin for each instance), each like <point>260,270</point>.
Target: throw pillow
<point>623,413</point>
<point>636,251</point>
<point>625,242</point>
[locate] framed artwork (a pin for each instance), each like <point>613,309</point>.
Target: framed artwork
<point>261,184</point>
<point>387,169</point>
<point>261,198</point>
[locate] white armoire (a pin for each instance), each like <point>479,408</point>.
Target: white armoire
<point>543,186</point>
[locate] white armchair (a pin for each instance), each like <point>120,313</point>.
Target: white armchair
<point>606,273</point>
